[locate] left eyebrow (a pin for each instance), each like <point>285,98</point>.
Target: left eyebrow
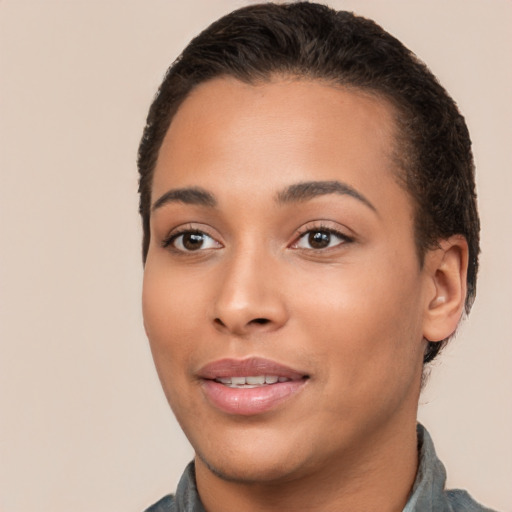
<point>188,195</point>
<point>307,190</point>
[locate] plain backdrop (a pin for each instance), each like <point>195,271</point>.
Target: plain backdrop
<point>84,425</point>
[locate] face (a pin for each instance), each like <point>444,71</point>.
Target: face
<point>283,297</point>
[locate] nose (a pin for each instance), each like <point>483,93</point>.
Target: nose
<point>249,298</point>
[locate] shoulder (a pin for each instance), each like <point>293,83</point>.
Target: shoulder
<point>429,492</point>
<point>166,504</point>
<point>461,501</point>
<point>186,498</point>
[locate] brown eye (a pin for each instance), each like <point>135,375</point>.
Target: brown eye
<point>318,239</point>
<point>190,241</point>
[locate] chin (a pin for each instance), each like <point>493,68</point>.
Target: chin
<point>253,471</point>
<point>253,459</point>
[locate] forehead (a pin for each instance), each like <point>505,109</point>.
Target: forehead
<point>269,134</point>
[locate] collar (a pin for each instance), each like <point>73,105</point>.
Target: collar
<point>428,493</point>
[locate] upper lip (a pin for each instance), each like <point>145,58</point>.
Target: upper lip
<point>247,367</point>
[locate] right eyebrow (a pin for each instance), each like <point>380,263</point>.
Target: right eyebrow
<point>188,195</point>
<point>307,190</point>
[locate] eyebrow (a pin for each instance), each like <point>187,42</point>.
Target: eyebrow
<point>298,192</point>
<point>189,195</point>
<point>310,189</point>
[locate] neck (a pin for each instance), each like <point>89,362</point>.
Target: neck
<point>378,475</point>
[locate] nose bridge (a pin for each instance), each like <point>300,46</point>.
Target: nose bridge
<point>248,297</point>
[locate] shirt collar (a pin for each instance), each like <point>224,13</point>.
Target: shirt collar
<point>187,497</point>
<point>428,488</point>
<point>427,492</point>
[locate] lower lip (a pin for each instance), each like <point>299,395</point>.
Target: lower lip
<point>250,401</point>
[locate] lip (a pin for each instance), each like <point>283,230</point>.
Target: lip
<point>249,401</point>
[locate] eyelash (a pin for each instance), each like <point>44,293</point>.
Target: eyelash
<point>169,242</point>
<point>344,239</point>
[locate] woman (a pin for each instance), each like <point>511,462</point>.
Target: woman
<point>311,241</point>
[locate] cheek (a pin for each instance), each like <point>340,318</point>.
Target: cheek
<point>171,310</point>
<point>366,336</point>
<point>368,315</point>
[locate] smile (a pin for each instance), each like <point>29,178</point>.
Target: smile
<point>250,382</point>
<point>250,386</point>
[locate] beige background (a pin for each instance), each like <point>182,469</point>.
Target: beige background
<point>83,422</point>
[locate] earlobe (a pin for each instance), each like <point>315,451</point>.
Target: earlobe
<point>446,268</point>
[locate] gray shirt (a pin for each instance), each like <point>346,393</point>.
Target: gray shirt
<point>428,493</point>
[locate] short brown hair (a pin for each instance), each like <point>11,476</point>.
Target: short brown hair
<point>310,40</point>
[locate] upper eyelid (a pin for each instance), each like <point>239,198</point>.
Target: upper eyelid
<point>324,225</point>
<point>190,227</point>
<point>334,232</point>
<point>328,229</point>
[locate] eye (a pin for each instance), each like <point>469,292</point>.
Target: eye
<point>190,241</point>
<point>317,239</point>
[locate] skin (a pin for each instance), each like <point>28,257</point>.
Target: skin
<point>353,316</point>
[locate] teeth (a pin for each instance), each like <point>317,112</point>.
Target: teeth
<point>255,380</point>
<point>251,381</point>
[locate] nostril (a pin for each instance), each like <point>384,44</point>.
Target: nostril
<point>260,321</point>
<point>234,326</point>
<point>218,321</point>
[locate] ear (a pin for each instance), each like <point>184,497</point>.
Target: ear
<point>446,268</point>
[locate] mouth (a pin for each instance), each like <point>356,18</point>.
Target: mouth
<point>250,386</point>
<point>250,382</point>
